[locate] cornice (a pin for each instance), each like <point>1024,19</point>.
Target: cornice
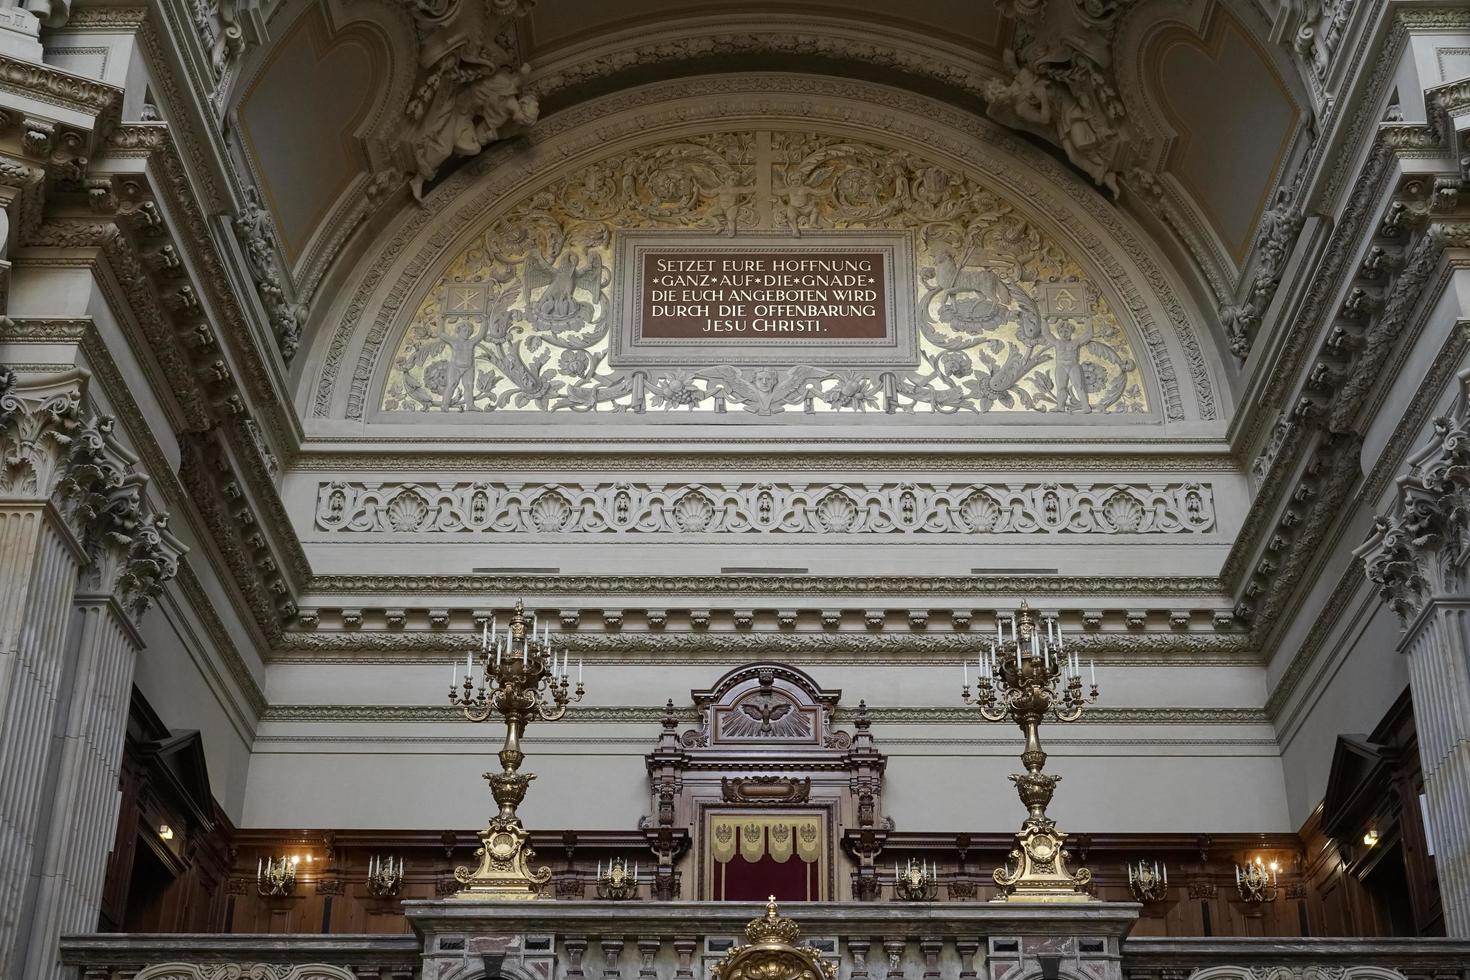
<point>106,19</point>
<point>78,93</point>
<point>652,715</point>
<point>1390,463</point>
<point>832,647</point>
<point>731,585</point>
<point>835,461</point>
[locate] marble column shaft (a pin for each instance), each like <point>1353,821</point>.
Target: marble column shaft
<point>40,556</point>
<point>1439,681</point>
<point>82,818</point>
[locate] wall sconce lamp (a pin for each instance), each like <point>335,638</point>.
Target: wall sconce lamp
<point>1371,837</point>
<point>276,876</point>
<point>1148,882</point>
<point>384,877</point>
<point>916,882</point>
<point>165,832</point>
<point>617,882</point>
<point>1256,881</point>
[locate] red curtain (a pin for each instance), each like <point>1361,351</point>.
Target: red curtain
<point>740,880</point>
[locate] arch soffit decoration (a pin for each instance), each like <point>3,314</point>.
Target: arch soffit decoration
<point>1147,32</point>
<point>385,30</point>
<point>373,309</point>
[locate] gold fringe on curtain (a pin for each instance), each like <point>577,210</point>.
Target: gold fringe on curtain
<point>753,837</point>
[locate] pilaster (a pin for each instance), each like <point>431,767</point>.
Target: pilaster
<point>41,435</point>
<point>1417,557</point>
<point>82,561</point>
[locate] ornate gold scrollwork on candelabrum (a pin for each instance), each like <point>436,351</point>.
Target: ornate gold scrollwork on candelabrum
<point>771,953</point>
<point>520,680</point>
<point>1022,680</point>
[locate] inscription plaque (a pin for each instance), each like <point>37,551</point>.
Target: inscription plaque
<point>767,296</point>
<point>829,298</point>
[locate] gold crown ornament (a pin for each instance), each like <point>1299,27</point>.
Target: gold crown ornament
<point>773,927</point>
<point>771,955</point>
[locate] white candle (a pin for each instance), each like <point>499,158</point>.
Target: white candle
<point>1093,668</point>
<point>485,637</point>
<point>998,637</point>
<point>579,671</point>
<point>966,667</point>
<point>467,667</point>
<point>525,650</point>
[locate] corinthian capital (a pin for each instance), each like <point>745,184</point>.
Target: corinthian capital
<point>39,420</point>
<point>1418,549</point>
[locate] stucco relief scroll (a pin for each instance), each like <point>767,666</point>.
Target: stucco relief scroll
<point>470,89</point>
<point>1007,318</point>
<point>1060,83</point>
<point>775,508</point>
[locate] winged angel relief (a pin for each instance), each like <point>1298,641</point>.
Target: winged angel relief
<point>1007,320</point>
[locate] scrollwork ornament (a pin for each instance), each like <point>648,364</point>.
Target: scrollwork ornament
<point>1008,320</point>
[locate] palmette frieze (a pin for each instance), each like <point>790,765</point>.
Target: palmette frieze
<point>766,508</point>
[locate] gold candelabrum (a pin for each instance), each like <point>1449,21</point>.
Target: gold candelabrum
<point>1028,675</point>
<point>520,680</point>
<point>275,877</point>
<point>1148,882</point>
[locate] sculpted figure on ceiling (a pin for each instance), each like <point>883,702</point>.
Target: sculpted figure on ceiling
<point>1006,318</point>
<point>470,90</point>
<point>1060,81</point>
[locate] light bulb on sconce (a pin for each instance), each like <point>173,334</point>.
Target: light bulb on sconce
<point>165,832</point>
<point>1371,837</point>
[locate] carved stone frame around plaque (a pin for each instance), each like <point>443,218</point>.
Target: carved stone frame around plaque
<point>899,349</point>
<point>766,743</point>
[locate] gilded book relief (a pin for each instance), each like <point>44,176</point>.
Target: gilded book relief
<point>1007,321</point>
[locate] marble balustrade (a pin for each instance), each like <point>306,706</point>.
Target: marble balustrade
<point>684,940</point>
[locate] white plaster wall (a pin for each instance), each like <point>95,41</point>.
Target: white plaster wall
<point>950,776</point>
<point>172,675</point>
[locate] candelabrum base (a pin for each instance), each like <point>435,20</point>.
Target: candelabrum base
<point>1037,869</point>
<point>505,873</point>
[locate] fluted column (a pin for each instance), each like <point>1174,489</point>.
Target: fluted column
<point>1439,677</point>
<point>1417,557</point>
<point>135,555</point>
<point>81,559</point>
<point>40,555</point>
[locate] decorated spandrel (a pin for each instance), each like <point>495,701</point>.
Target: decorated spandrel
<point>1005,320</point>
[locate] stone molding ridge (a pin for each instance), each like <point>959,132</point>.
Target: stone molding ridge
<point>653,714</point>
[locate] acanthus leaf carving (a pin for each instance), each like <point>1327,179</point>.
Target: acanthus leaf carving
<point>1417,550</point>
